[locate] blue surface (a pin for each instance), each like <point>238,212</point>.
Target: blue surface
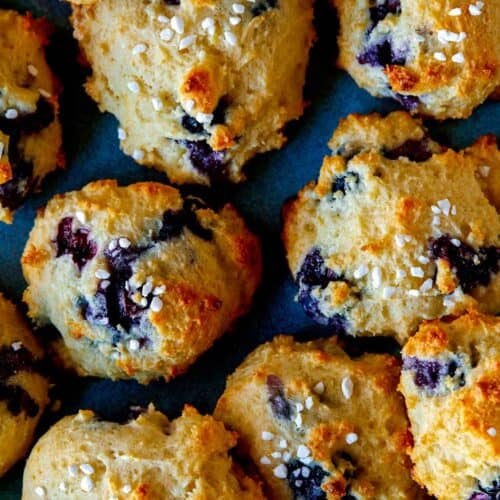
<point>92,152</point>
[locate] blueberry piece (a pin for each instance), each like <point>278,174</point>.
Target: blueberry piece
<point>337,322</point>
<point>345,182</point>
<point>314,272</point>
<point>263,6</point>
<point>279,405</point>
<point>382,54</point>
<point>29,123</point>
<point>192,125</point>
<point>472,268</point>
<point>409,102</point>
<point>207,161</point>
<point>306,488</point>
<point>174,223</point>
<point>414,150</point>
<point>14,191</point>
<point>381,11</point>
<point>490,492</point>
<point>172,2</point>
<point>429,374</point>
<point>75,243</point>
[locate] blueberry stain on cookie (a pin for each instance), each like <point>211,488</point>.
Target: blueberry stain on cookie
<point>314,275</point>
<point>430,375</point>
<point>472,268</point>
<point>279,404</point>
<point>207,161</point>
<point>490,492</point>
<point>75,242</point>
<point>305,480</point>
<point>382,54</point>
<point>380,11</point>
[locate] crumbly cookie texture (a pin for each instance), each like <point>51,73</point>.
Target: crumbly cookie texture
<point>23,390</point>
<point>319,425</point>
<point>138,280</point>
<point>451,385</point>
<point>30,133</point>
<point>198,87</point>
<point>397,229</point>
<point>435,57</point>
<point>146,458</point>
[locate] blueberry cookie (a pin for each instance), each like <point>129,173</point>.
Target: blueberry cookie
<point>396,230</point>
<point>435,57</point>
<point>320,425</point>
<point>146,458</point>
<point>30,133</point>
<point>451,384</point>
<point>198,87</point>
<point>138,280</point>
<point>23,390</point>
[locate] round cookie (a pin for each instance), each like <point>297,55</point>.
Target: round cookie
<point>138,280</point>
<point>319,425</point>
<point>30,133</point>
<point>148,457</point>
<point>23,390</point>
<point>396,230</point>
<point>435,57</point>
<point>198,87</point>
<point>451,384</point>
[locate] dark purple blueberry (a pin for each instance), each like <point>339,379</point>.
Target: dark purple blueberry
<point>75,243</point>
<point>28,123</point>
<point>172,2</point>
<point>174,223</point>
<point>305,480</point>
<point>310,304</point>
<point>279,404</point>
<point>472,268</point>
<point>381,11</point>
<point>14,191</point>
<point>120,260</point>
<point>491,492</point>
<point>18,400</point>
<point>414,150</point>
<point>192,125</point>
<point>409,102</point>
<point>207,161</point>
<point>314,272</point>
<point>382,54</point>
<point>262,6</point>
<point>345,182</point>
<point>429,374</point>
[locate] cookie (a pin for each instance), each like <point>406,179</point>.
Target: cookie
<point>397,229</point>
<point>148,457</point>
<point>23,390</point>
<point>138,280</point>
<point>435,57</point>
<point>198,87</point>
<point>451,384</point>
<point>319,425</point>
<point>30,133</point>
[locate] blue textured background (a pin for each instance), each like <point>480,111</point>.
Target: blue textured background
<point>92,152</point>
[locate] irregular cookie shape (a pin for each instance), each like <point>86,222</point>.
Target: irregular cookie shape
<point>198,87</point>
<point>435,57</point>
<point>23,390</point>
<point>138,280</point>
<point>320,425</point>
<point>30,133</point>
<point>396,230</point>
<point>148,457</point>
<point>451,385</point>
